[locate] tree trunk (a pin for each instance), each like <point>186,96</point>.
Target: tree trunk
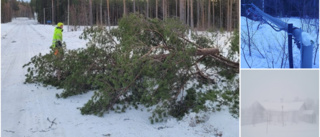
<point>57,19</point>
<point>213,14</point>
<point>134,6</point>
<point>231,17</point>
<point>198,14</point>
<point>52,10</point>
<point>176,8</point>
<point>237,14</point>
<point>101,12</point>
<point>147,8</point>
<point>108,6</point>
<point>202,14</point>
<point>228,13</point>
<point>220,15</point>
<point>124,8</point>
<point>97,15</point>
<point>188,12</point>
<point>164,9</point>
<point>209,16</point>
<point>90,13</point>
<point>156,8</point>
<point>183,11</point>
<point>191,7</point>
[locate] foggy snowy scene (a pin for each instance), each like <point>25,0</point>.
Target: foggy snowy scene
<point>265,34</point>
<point>120,68</point>
<point>279,103</point>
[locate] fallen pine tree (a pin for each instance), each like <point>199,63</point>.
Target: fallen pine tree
<point>144,61</point>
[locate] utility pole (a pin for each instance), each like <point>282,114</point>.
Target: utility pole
<point>290,28</point>
<point>303,42</point>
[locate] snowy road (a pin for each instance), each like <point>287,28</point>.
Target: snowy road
<point>30,110</point>
<point>23,111</point>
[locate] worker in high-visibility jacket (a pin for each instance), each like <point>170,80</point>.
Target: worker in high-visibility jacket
<point>57,38</point>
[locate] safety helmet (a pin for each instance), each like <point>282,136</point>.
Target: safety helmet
<point>60,24</point>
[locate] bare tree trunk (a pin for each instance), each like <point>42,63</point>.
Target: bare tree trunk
<point>57,12</point>
<point>90,13</point>
<point>84,14</point>
<point>108,6</point>
<point>68,14</point>
<point>198,14</point>
<point>147,8</point>
<point>202,14</point>
<point>176,8</point>
<point>220,15</point>
<point>156,8</point>
<point>213,14</point>
<point>52,10</point>
<point>101,12</point>
<point>209,16</point>
<point>231,17</point>
<point>97,16</point>
<point>124,8</point>
<point>228,13</point>
<point>183,11</point>
<point>164,9</point>
<point>188,12</point>
<point>237,14</point>
<point>191,7</point>
<point>134,6</point>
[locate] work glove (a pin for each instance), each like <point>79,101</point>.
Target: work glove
<point>59,44</point>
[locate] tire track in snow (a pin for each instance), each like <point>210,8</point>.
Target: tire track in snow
<point>8,57</point>
<point>23,112</point>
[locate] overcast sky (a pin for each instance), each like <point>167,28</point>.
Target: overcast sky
<point>272,85</point>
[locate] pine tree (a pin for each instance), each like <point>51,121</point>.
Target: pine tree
<point>154,64</point>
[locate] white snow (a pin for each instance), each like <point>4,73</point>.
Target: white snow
<point>306,39</point>
<point>268,45</point>
<point>32,110</point>
<point>278,130</point>
<point>281,103</point>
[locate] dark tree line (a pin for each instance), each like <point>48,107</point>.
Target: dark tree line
<point>14,8</point>
<point>200,14</point>
<point>286,8</point>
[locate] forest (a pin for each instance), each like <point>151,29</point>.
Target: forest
<point>14,8</point>
<point>286,8</point>
<point>199,14</point>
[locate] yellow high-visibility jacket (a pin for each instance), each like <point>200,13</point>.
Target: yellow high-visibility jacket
<point>57,36</point>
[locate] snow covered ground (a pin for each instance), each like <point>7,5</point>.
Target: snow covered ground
<point>281,103</point>
<point>34,111</point>
<point>267,45</point>
<point>277,130</point>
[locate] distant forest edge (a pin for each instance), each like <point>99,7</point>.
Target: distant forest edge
<point>14,8</point>
<point>199,14</point>
<point>286,8</point>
